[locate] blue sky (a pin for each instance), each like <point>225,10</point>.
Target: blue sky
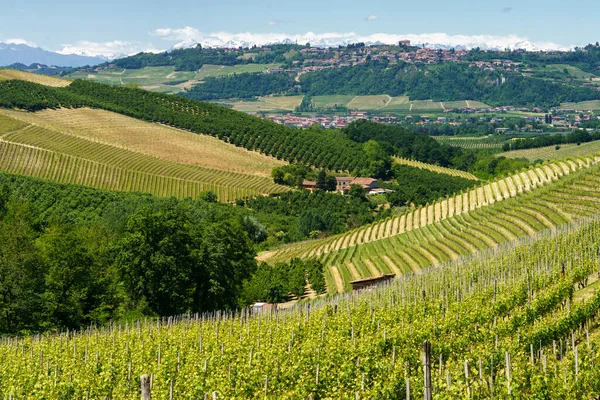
<point>53,25</point>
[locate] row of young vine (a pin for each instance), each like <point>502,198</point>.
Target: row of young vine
<point>517,321</point>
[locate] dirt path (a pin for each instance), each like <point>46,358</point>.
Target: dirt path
<point>386,103</point>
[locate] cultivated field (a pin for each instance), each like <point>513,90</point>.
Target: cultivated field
<point>550,152</point>
<point>582,106</point>
<point>283,102</point>
<point>35,78</point>
<point>382,103</point>
<point>166,79</point>
<point>331,101</point>
<point>151,139</point>
<point>499,211</point>
<point>513,322</point>
<point>472,142</point>
<point>435,168</point>
<point>369,102</point>
<point>573,71</point>
<point>40,151</point>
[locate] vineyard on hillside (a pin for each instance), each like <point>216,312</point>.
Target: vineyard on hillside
<point>435,168</point>
<point>500,211</point>
<point>332,151</point>
<point>46,80</point>
<point>517,321</point>
<point>485,142</point>
<point>40,152</point>
<point>151,139</point>
<point>552,153</point>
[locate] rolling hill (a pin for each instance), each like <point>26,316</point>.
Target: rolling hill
<point>12,74</point>
<point>110,151</point>
<point>493,213</point>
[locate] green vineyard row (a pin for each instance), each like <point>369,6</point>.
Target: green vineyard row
<point>473,199</point>
<point>40,152</point>
<point>435,168</point>
<point>508,323</point>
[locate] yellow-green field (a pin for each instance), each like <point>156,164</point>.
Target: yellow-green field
<point>383,103</point>
<point>331,101</point>
<point>166,79</point>
<point>150,139</point>
<point>519,205</point>
<point>435,168</point>
<point>550,152</point>
<point>582,106</point>
<point>122,154</point>
<point>35,78</point>
<point>369,102</point>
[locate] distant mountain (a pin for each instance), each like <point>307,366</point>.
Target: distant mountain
<point>434,41</point>
<point>21,53</point>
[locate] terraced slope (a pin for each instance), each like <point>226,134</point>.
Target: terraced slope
<point>41,152</point>
<point>151,139</point>
<point>435,168</point>
<point>473,199</point>
<point>421,239</point>
<point>35,78</point>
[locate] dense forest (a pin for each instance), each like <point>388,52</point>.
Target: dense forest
<point>71,255</point>
<point>242,86</point>
<point>446,82</point>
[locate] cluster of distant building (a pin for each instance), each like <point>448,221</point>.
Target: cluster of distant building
<point>343,184</point>
<point>333,122</point>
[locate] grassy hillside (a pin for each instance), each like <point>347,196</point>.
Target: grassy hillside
<point>151,139</point>
<point>166,79</point>
<point>8,74</point>
<point>435,168</point>
<point>368,345</point>
<point>475,220</point>
<point>383,103</point>
<point>39,151</point>
<point>551,153</point>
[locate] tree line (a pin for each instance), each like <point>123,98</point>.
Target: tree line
<point>71,255</point>
<point>241,86</point>
<point>578,137</point>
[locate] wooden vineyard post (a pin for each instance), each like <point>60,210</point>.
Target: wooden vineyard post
<point>508,371</point>
<point>427,369</point>
<point>145,383</point>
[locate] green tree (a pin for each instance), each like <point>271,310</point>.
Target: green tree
<point>330,183</point>
<point>357,192</point>
<point>321,183</point>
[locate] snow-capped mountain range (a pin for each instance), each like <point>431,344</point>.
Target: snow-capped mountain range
<point>12,53</point>
<point>189,37</point>
<point>92,53</point>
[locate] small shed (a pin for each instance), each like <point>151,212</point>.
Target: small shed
<point>371,281</point>
<point>262,307</point>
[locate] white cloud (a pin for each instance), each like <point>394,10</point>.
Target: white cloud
<point>110,50</point>
<point>371,18</point>
<point>189,36</point>
<point>20,41</point>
